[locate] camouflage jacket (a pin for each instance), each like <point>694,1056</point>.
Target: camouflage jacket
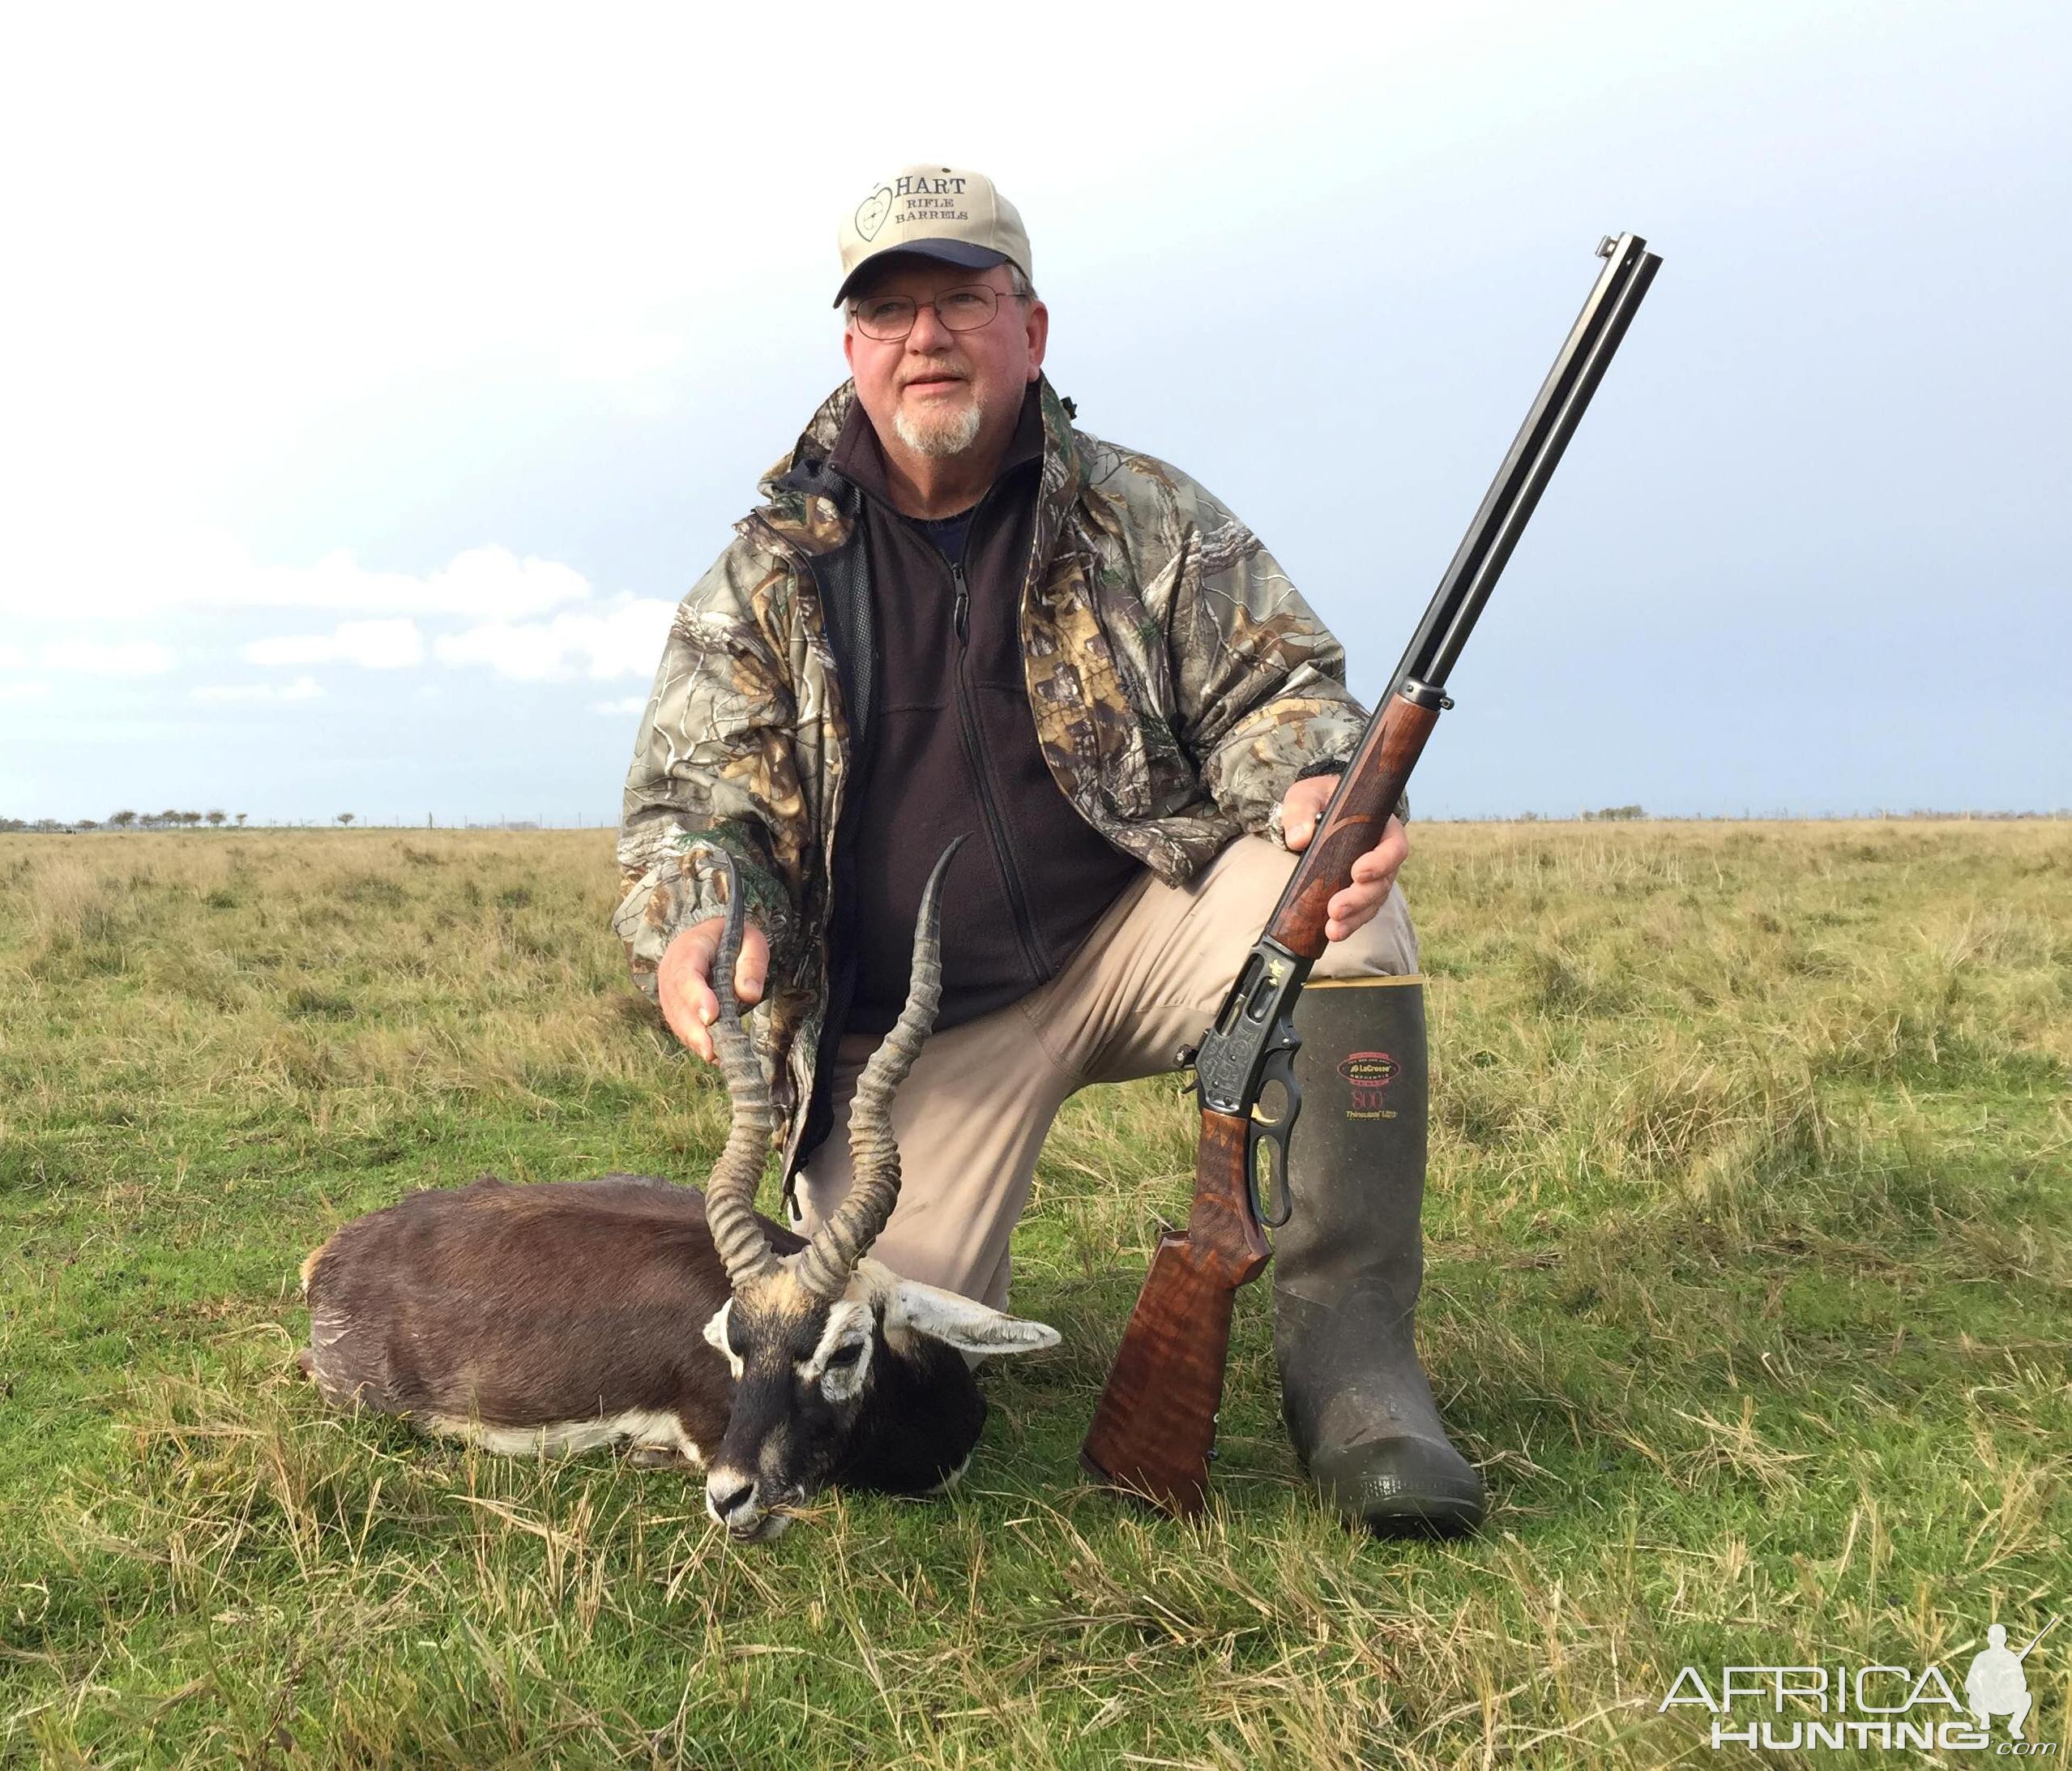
<point>1177,681</point>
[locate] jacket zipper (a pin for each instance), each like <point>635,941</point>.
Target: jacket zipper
<point>981,777</point>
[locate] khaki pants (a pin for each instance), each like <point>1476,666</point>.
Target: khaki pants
<point>971,1115</point>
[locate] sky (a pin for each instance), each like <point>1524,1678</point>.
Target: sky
<point>373,382</point>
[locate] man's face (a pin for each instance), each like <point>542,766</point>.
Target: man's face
<point>935,392</point>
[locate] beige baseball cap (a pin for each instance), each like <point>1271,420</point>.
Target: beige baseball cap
<point>943,212</point>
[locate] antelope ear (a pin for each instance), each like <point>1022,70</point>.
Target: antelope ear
<point>969,1327</point>
<point>716,1336</point>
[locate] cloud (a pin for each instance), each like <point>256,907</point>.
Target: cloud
<point>376,645</point>
<point>126,658</point>
<point>128,572</point>
<point>627,706</point>
<point>482,581</point>
<point>301,689</point>
<point>24,691</point>
<point>623,639</point>
<point>494,581</point>
<point>11,659</point>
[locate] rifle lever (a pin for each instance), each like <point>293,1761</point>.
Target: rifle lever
<point>1266,1137</point>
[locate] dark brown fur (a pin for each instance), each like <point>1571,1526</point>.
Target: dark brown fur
<point>522,1307</point>
<point>503,1285</point>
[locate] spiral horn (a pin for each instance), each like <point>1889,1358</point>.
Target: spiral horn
<point>730,1190</point>
<point>824,1266</point>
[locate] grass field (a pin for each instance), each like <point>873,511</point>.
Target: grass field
<point>1749,1293</point>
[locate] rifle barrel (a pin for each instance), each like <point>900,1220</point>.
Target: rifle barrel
<point>1558,408</point>
<point>2037,1637</point>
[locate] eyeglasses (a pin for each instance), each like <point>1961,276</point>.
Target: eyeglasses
<point>888,318</point>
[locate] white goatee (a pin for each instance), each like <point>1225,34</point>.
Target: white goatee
<point>937,434</point>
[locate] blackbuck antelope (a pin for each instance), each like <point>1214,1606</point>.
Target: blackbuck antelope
<point>627,1311</point>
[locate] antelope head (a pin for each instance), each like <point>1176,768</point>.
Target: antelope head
<point>837,1361</point>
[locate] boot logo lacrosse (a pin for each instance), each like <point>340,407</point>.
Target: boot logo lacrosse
<point>1367,1074</point>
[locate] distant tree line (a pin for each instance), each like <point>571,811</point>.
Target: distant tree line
<point>170,819</point>
<point>126,820</point>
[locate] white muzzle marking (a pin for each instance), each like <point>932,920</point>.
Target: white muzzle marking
<point>733,1498</point>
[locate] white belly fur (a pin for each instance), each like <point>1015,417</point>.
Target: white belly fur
<point>642,1429</point>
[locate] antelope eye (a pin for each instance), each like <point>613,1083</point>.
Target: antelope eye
<point>848,1353</point>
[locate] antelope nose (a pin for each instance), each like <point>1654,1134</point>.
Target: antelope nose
<point>730,1493</point>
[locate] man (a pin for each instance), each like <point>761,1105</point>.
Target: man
<point>955,613</point>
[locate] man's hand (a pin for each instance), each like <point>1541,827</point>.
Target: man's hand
<point>683,981</point>
<point>1372,873</point>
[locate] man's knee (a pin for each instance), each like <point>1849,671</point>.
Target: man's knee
<point>1256,871</point>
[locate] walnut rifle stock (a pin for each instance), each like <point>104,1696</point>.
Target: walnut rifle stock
<point>1154,1432</point>
<point>1154,1429</point>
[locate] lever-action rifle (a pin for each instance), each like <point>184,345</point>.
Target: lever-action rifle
<point>1154,1432</point>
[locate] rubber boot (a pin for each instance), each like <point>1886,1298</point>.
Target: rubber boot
<point>1348,1263</point>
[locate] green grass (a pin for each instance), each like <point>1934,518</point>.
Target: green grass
<point>1747,1291</point>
